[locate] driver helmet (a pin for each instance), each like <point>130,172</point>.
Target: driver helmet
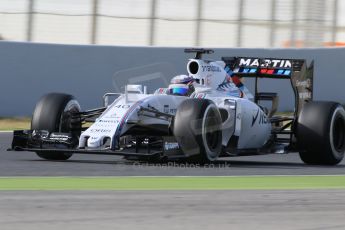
<point>181,85</point>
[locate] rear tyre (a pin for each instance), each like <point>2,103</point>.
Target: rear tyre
<point>320,133</point>
<point>53,113</point>
<point>197,129</point>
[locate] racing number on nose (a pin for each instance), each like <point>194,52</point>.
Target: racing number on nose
<point>123,106</point>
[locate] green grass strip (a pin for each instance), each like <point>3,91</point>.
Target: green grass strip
<point>172,183</point>
<point>8,124</point>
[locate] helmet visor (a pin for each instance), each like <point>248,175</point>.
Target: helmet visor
<point>179,91</point>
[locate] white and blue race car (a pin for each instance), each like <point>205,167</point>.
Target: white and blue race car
<point>202,116</point>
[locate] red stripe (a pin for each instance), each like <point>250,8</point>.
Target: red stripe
<point>236,80</point>
<point>263,70</point>
<point>270,71</point>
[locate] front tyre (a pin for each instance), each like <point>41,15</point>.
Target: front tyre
<point>197,129</point>
<point>321,133</point>
<point>53,113</point>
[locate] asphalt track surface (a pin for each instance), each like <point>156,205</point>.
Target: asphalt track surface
<point>233,209</point>
<point>155,210</point>
<point>28,164</point>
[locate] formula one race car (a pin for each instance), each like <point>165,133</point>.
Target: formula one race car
<point>202,116</point>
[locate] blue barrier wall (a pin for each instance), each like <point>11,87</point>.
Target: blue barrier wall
<point>29,70</point>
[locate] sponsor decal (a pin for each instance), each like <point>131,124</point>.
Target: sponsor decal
<point>304,95</point>
<point>259,116</point>
<point>210,68</point>
<point>166,109</point>
<point>122,106</point>
<point>255,117</point>
<point>100,130</point>
<point>171,146</point>
<point>306,83</point>
<point>200,95</point>
<point>257,62</point>
<point>59,137</point>
<point>108,121</point>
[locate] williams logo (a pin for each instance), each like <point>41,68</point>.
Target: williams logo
<point>259,116</point>
<point>210,68</point>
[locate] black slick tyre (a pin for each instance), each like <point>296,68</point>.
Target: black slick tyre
<point>197,129</point>
<point>320,133</point>
<point>53,113</point>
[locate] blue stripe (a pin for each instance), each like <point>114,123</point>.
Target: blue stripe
<point>123,121</point>
<point>287,72</point>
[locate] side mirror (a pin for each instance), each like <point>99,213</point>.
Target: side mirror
<point>107,96</point>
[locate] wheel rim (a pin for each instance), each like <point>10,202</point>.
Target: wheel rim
<point>212,136</point>
<point>338,133</point>
<point>211,132</point>
<point>66,116</point>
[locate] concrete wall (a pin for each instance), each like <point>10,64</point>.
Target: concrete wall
<point>29,70</point>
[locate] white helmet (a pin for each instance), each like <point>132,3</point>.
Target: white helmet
<point>181,79</point>
<point>181,85</point>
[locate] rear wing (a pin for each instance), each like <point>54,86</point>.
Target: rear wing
<point>296,70</point>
